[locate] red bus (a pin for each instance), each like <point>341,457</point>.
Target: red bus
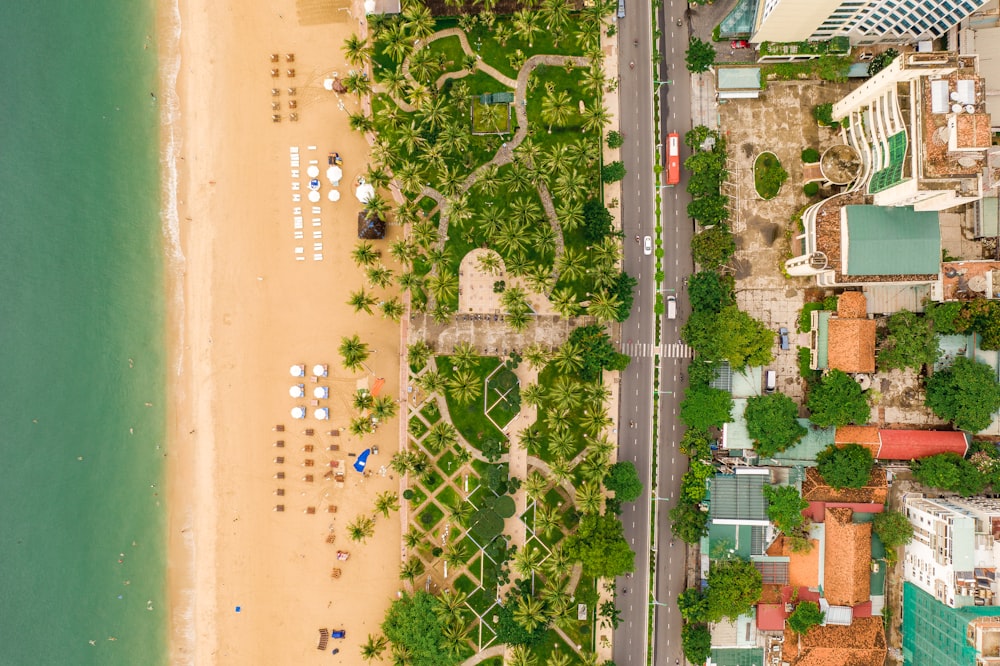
<point>673,158</point>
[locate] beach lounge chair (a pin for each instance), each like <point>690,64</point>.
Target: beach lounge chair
<point>309,462</point>
<point>280,460</point>
<point>279,507</point>
<point>317,234</point>
<point>318,257</point>
<point>297,210</point>
<point>308,448</point>
<point>278,428</point>
<point>300,258</point>
<point>317,210</point>
<point>280,492</point>
<point>293,149</point>
<point>299,235</point>
<point>308,432</point>
<point>335,573</point>
<point>312,147</point>
<point>333,433</point>
<point>279,475</point>
<point>280,443</point>
<point>331,508</point>
<point>293,116</point>
<point>274,57</point>
<point>310,510</point>
<point>296,185</point>
<point>331,537</point>
<point>300,250</point>
<point>296,197</point>
<point>333,447</point>
<point>308,478</point>
<point>324,639</point>
<point>295,173</point>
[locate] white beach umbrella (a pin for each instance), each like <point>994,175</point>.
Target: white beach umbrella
<point>298,412</point>
<point>314,196</point>
<point>313,171</point>
<point>314,184</point>
<point>321,392</point>
<point>323,414</point>
<point>297,370</point>
<point>328,84</point>
<point>297,391</point>
<point>319,370</point>
<point>333,195</point>
<point>365,192</point>
<point>334,174</point>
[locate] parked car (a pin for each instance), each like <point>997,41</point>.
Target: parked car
<point>671,307</point>
<point>647,245</point>
<point>739,44</point>
<point>621,9</point>
<point>770,381</point>
<point>783,334</point>
<point>338,633</point>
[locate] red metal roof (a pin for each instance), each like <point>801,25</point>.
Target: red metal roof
<point>771,617</point>
<point>910,444</point>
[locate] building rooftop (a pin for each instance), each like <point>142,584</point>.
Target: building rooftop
<point>935,634</point>
<point>862,643</point>
<point>744,656</point>
<point>966,89</point>
<point>891,240</point>
<point>965,280</point>
<point>912,444</point>
<point>738,78</point>
<point>738,498</point>
<point>851,345</point>
<point>847,559</point>
<point>804,452</point>
<point>815,489</point>
<point>852,305</point>
<point>803,568</point>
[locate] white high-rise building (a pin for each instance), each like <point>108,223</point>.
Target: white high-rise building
<point>863,21</point>
<point>955,549</point>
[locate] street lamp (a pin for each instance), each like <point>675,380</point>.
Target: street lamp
<point>663,392</point>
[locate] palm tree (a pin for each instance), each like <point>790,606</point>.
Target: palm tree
<point>411,539</point>
<point>559,563</point>
<point>361,528</point>
<point>539,278</point>
<point>356,50</point>
<point>556,108</point>
<point>441,435</point>
<point>593,79</point>
<point>433,113</point>
<point>386,502</point>
<point>510,237</point>
<point>567,358</point>
<point>439,255</point>
<point>364,254</point>
<point>536,355</point>
<point>517,263</point>
<point>361,300</point>
<point>595,118</point>
<point>358,84</point>
<point>423,63</point>
<point>604,306</point>
<point>457,208</point>
<point>462,511</point>
<point>602,446</point>
<point>455,137</point>
<point>397,42</point>
<point>410,180</point>
<point>408,137</point>
<point>528,560</point>
<point>419,21</point>
<point>532,395</point>
<point>589,498</point>
<point>377,206</point>
<point>489,262</point>
<point>359,122</point>
<point>425,233</point>
<point>418,353</point>
<point>525,25</point>
<point>403,251</point>
<point>555,14</point>
<point>377,176</point>
<point>384,408</point>
<point>488,180</point>
<point>354,352</point>
<point>432,381</point>
<point>453,637</point>
<point>571,264</point>
<point>401,655</point>
<point>374,647</point>
<point>529,613</point>
<point>443,285</point>
<point>557,658</point>
<point>520,655</point>
<point>410,281</point>
<point>454,552</point>
<point>379,276</point>
<point>570,183</point>
<point>363,400</point>
<point>536,485</point>
<point>392,309</point>
<point>464,386</point>
<point>394,82</point>
<point>361,426</point>
<point>519,177</point>
<point>546,519</point>
<point>518,321</point>
<point>560,470</point>
<point>566,393</point>
<point>595,419</point>
<point>562,443</point>
<point>570,214</point>
<point>464,355</point>
<point>526,209</point>
<point>410,569</point>
<point>530,440</point>
<point>564,302</point>
<point>594,468</point>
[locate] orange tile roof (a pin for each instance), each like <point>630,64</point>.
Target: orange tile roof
<point>856,435</point>
<point>847,559</point>
<point>852,305</point>
<point>862,643</point>
<point>815,489</point>
<point>803,568</point>
<point>973,131</point>
<point>910,444</point>
<point>851,345</point>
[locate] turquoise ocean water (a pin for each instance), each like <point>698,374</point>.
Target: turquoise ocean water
<point>82,274</point>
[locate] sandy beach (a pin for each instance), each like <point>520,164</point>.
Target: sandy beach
<point>244,310</point>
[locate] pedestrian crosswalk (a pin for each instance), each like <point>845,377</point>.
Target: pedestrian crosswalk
<point>667,350</point>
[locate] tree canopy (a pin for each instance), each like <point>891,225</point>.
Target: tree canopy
<point>731,335</point>
<point>910,342</point>
<point>771,422</point>
<point>704,407</point>
<point>693,604</point>
<point>837,400</point>
<point>784,507</point>
<point>734,586</point>
<point>696,642</point>
<point>412,624</point>
<point>596,221</point>
<point>707,290</point>
<point>805,616</point>
<point>849,466</point>
<point>688,522</point>
<point>966,393</point>
<point>893,528</point>
<point>949,471</point>
<point>623,479</point>
<point>713,247</point>
<point>597,352</point>
<point>599,544</point>
<point>700,56</point>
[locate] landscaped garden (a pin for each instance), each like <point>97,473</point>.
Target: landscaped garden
<point>768,175</point>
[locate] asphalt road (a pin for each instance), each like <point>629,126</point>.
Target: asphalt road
<point>636,405</point>
<point>675,116</point>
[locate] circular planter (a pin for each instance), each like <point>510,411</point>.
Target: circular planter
<point>763,164</point>
<point>840,164</point>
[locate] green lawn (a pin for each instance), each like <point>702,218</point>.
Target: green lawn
<point>768,175</point>
<point>449,49</point>
<point>469,418</point>
<point>431,412</point>
<point>430,517</point>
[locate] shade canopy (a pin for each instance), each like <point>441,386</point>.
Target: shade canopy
<point>319,370</point>
<point>298,412</point>
<point>328,84</point>
<point>321,392</point>
<point>334,174</point>
<point>297,391</point>
<point>314,196</point>
<point>362,460</point>
<point>333,195</point>
<point>314,183</point>
<point>312,171</point>
<point>323,413</point>
<point>297,371</point>
<point>365,192</point>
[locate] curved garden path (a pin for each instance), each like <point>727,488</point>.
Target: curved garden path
<point>505,155</point>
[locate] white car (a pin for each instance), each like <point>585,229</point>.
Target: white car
<point>647,245</point>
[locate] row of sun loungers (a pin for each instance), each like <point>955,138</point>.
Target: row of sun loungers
<point>298,219</point>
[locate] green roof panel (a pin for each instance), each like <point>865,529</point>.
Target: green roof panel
<point>934,633</point>
<point>892,240</point>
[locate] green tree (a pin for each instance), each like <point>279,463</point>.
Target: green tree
<point>693,604</point>
<point>599,543</point>
<point>387,501</point>
<point>361,528</point>
<point>612,172</point>
<point>784,507</point>
<point>700,56</point>
<point>693,488</point>
<point>734,586</point>
<point>623,289</point>
<point>623,480</point>
<point>805,616</point>
<point>696,642</point>
<point>707,290</point>
<point>966,393</point>
<point>361,300</point>
<point>910,342</point>
<point>893,528</point>
<point>713,247</point>
<point>696,444</point>
<point>849,466</point>
<point>353,352</point>
<point>771,422</point>
<point>688,522</point>
<point>704,407</point>
<point>597,221</point>
<point>411,623</point>
<point>374,647</point>
<point>949,471</point>
<point>615,139</point>
<point>731,335</point>
<point>823,113</point>
<point>837,400</point>
<point>710,209</point>
<point>595,352</point>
